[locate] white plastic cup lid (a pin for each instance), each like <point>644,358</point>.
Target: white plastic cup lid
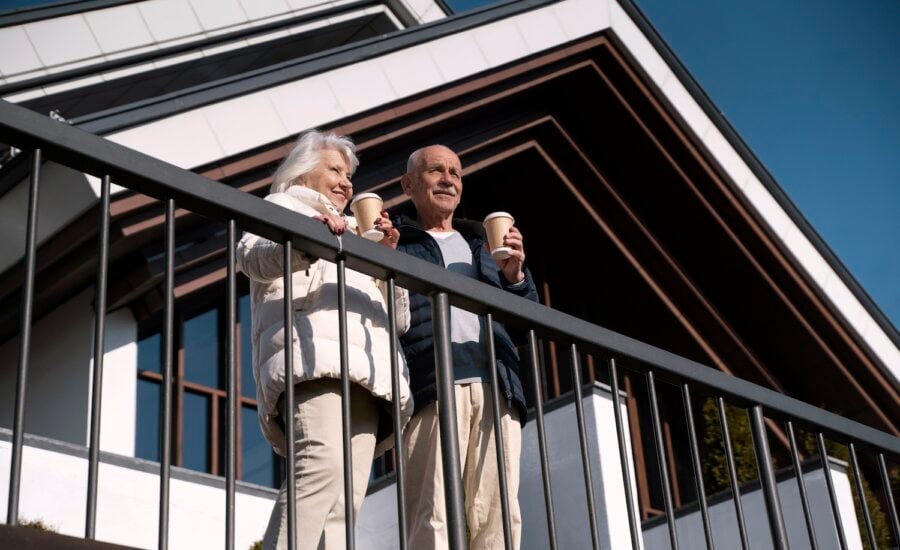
<point>493,215</point>
<point>362,196</point>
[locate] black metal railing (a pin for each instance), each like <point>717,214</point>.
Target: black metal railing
<point>48,140</point>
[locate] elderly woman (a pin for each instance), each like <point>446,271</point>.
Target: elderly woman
<point>314,181</point>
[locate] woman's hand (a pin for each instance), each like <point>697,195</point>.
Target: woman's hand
<point>391,233</point>
<point>336,224</point>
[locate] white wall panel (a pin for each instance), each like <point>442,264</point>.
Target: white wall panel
<point>360,86</point>
<point>168,19</point>
<point>119,28</point>
<point>457,56</point>
<point>411,71</point>
<point>62,40</point>
<point>726,156</point>
<point>500,42</point>
<point>119,393</point>
<point>14,39</point>
<point>305,104</point>
<point>687,107</point>
<point>641,48</point>
<point>257,9</point>
<point>244,122</point>
<point>215,14</point>
<point>540,29</point>
<point>582,17</point>
<point>185,140</point>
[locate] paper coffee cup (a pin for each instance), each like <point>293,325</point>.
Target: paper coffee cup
<point>366,207</point>
<point>497,225</point>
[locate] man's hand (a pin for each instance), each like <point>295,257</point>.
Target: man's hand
<point>513,268</point>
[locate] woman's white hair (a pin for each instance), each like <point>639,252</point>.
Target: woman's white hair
<point>304,157</point>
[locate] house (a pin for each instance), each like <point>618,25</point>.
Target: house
<point>663,225</point>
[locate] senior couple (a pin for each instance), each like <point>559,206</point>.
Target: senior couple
<point>314,180</point>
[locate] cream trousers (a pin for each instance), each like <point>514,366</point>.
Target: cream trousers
<point>318,460</point>
<point>427,517</point>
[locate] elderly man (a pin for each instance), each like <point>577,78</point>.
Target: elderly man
<point>433,181</point>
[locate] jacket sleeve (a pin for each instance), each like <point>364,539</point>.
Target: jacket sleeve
<point>401,305</point>
<point>526,288</point>
<point>261,259</point>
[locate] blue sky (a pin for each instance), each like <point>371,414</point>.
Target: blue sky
<point>814,90</point>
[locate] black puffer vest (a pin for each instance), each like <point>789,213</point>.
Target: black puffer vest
<point>418,342</point>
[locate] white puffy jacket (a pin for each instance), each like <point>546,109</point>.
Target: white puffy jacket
<point>316,343</point>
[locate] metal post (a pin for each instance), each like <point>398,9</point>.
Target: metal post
<point>585,455</point>
<point>661,458</point>
<point>97,375</point>
<point>889,497</point>
<point>767,478</point>
<point>732,473</point>
<point>698,469</point>
<point>446,401</point>
<point>349,523</point>
<point>542,437</point>
<point>857,475</point>
<point>623,456</point>
<point>165,458</point>
<point>801,485</point>
<point>498,434</point>
<point>15,467</point>
<point>288,414</point>
<point>400,450</point>
<point>232,398</point>
<point>832,495</point>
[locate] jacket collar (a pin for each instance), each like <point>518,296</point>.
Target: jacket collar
<point>469,229</point>
<point>314,199</point>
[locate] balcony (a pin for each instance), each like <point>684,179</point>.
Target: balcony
<point>581,479</point>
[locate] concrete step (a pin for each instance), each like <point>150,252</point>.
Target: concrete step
<point>15,538</point>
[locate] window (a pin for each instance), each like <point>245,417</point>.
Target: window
<point>199,428</point>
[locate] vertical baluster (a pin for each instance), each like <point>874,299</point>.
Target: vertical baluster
<point>542,437</point>
<point>832,495</point>
<point>399,454</point>
<point>498,434</point>
<point>698,469</point>
<point>585,455</point>
<point>623,456</point>
<point>767,478</point>
<point>97,375</point>
<point>232,409</point>
<point>288,415</point>
<point>889,497</point>
<point>165,458</point>
<point>349,522</point>
<point>15,467</point>
<point>857,475</point>
<point>661,458</point>
<point>732,473</point>
<point>446,400</point>
<point>801,485</point>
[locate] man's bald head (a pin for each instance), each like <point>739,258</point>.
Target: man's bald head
<point>412,163</point>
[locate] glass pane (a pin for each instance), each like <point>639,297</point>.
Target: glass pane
<point>196,437</point>
<point>146,444</point>
<point>258,461</point>
<point>150,353</point>
<point>248,386</point>
<point>201,349</point>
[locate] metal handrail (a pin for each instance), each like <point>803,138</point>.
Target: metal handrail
<point>172,185</point>
<point>158,179</point>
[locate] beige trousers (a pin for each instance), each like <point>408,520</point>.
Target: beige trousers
<point>427,518</point>
<point>319,464</point>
